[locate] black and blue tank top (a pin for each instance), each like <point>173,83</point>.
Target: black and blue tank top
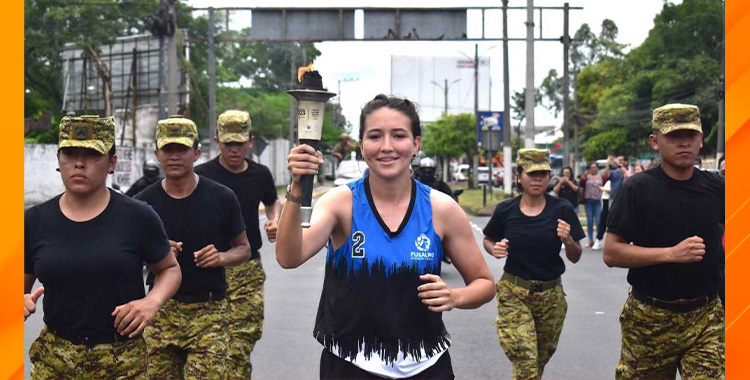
<point>370,303</point>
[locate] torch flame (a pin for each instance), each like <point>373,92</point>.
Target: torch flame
<point>302,70</point>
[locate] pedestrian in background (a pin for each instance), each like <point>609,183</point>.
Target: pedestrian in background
<point>252,183</point>
<point>150,175</point>
<point>592,194</point>
<point>426,175</point>
<point>380,313</point>
<point>203,220</point>
<point>638,168</point>
<point>666,228</point>
<point>567,188</point>
<point>531,303</point>
<point>601,227</point>
<point>343,149</point>
<point>87,247</point>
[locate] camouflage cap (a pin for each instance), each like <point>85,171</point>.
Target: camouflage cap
<point>87,131</point>
<point>533,160</point>
<point>234,126</point>
<point>176,130</point>
<point>673,117</point>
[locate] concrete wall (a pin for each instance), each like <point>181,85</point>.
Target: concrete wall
<point>146,117</point>
<point>42,182</point>
<point>275,157</point>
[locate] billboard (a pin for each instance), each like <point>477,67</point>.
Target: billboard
<point>423,79</point>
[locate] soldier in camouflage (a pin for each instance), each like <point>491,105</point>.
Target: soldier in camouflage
<point>528,230</point>
<point>87,247</point>
<point>188,339</point>
<point>252,183</point>
<point>666,228</point>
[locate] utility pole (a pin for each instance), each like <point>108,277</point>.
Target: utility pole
<point>211,84</point>
<point>476,111</point>
<point>162,69</point>
<point>566,86</point>
<point>335,113</point>
<point>476,79</point>
<point>530,89</point>
<point>173,69</point>
<point>507,150</point>
<point>445,90</point>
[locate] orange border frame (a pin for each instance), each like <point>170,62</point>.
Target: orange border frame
<point>11,196</point>
<point>738,212</point>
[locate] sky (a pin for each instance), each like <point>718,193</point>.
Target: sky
<point>369,62</point>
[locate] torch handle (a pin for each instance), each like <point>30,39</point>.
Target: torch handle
<point>306,182</point>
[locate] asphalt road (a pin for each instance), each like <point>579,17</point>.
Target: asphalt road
<point>588,348</point>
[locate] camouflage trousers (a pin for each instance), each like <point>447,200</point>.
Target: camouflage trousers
<point>657,342</point>
<point>245,316</point>
<point>188,341</point>
<point>53,357</point>
<point>529,325</point>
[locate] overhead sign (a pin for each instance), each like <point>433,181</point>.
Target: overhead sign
<point>415,24</point>
<point>302,24</point>
<point>338,24</point>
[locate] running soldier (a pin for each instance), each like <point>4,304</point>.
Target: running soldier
<point>666,227</point>
<point>188,338</point>
<point>87,247</point>
<point>252,183</point>
<point>528,230</point>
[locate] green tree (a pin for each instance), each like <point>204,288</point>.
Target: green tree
<point>267,65</point>
<point>50,24</point>
<point>451,136</point>
<point>679,62</point>
<point>603,144</point>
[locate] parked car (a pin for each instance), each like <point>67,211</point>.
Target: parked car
<point>461,173</point>
<point>483,175</point>
<point>349,171</point>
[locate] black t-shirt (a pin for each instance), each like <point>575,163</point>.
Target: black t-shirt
<point>251,187</point>
<point>534,247</point>
<point>140,185</point>
<point>437,184</point>
<point>89,268</point>
<point>570,195</point>
<point>210,215</point>
<point>654,210</point>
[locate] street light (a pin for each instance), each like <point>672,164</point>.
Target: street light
<point>475,62</point>
<point>335,114</point>
<point>445,89</point>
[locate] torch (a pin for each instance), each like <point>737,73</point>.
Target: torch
<point>311,101</point>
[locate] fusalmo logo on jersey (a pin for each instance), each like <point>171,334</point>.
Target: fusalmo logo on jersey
<point>423,244</point>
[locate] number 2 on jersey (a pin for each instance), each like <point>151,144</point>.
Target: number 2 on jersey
<point>357,251</point>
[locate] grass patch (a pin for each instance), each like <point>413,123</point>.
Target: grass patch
<point>472,199</point>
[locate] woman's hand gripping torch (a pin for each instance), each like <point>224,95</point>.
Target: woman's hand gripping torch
<point>311,102</point>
